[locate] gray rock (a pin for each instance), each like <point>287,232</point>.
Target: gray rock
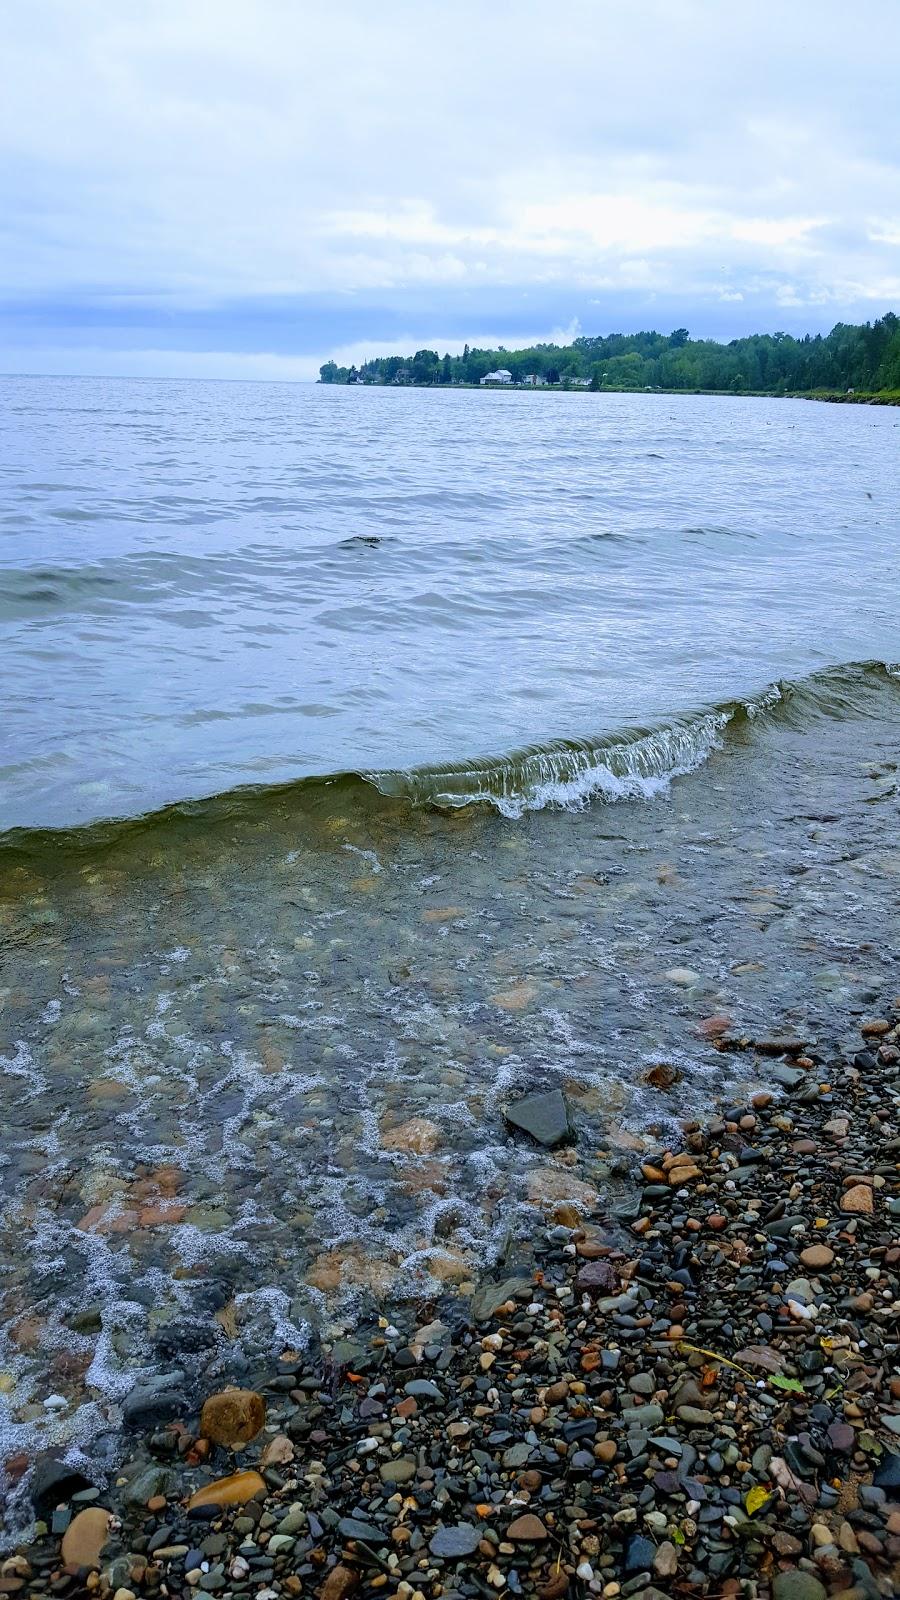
<point>145,1484</point>
<point>695,1416</point>
<point>489,1296</point>
<point>887,1472</point>
<point>423,1389</point>
<point>399,1471</point>
<point>665,1561</point>
<point>352,1528</point>
<point>454,1542</point>
<point>53,1480</point>
<point>639,1553</point>
<point>649,1416</point>
<point>788,1077</point>
<point>800,1289</point>
<point>155,1400</point>
<point>292,1522</point>
<point>544,1117</point>
<point>797,1585</point>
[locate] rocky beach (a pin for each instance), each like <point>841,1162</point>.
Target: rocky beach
<point>694,1392</point>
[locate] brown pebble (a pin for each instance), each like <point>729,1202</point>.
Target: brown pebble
<point>527,1530</point>
<point>340,1583</point>
<point>234,1490</point>
<point>233,1417</point>
<point>817,1256</point>
<point>858,1199</point>
<point>85,1537</point>
<point>557,1586</point>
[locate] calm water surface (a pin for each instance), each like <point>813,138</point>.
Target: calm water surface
<point>204,585</point>
<point>218,1020</point>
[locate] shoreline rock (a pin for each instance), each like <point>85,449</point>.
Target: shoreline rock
<point>694,1395</point>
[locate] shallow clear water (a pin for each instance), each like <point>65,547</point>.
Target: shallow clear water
<point>215,1018</point>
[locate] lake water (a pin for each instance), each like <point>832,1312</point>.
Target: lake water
<point>204,586</point>
<point>260,645</point>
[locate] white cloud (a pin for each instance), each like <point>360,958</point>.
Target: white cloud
<point>222,150</point>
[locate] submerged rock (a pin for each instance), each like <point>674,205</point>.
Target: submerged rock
<point>544,1117</point>
<point>491,1296</point>
<point>549,1186</point>
<point>418,1136</point>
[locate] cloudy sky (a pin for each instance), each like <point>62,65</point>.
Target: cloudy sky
<point>247,187</point>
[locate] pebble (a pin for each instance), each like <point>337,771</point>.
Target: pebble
<point>663,1374</point>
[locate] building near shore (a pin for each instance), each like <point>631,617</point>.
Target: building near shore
<point>534,380</point>
<point>497,379</point>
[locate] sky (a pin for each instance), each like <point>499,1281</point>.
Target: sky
<point>245,188</point>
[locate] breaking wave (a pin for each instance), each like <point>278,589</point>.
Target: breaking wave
<point>632,764</point>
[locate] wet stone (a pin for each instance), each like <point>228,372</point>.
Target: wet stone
<point>455,1542</point>
<point>797,1585</point>
<point>544,1117</point>
<point>353,1528</point>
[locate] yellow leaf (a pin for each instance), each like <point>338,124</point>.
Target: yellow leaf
<point>754,1498</point>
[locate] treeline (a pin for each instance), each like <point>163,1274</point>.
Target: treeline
<point>864,358</point>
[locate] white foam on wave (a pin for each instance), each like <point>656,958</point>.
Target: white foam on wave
<point>567,777</point>
<point>641,770</point>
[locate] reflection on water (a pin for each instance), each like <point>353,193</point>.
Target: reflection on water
<point>255,1055</point>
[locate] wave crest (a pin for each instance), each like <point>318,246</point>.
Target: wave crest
<point>567,775</point>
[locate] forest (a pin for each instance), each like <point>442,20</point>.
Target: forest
<point>864,358</point>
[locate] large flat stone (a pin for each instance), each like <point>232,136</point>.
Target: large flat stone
<point>544,1117</point>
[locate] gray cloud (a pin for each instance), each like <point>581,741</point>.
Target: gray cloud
<point>616,152</point>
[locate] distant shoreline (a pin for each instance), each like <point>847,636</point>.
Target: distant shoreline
<point>889,397</point>
<point>850,363</point>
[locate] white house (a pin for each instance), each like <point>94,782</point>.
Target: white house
<point>534,380</point>
<point>498,377</point>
